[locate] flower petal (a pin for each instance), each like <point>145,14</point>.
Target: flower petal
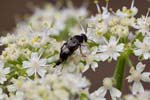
<point>42,62</point>
<point>130,79</point>
<point>41,72</point>
<point>102,91</point>
<point>104,56</point>
<point>103,48</point>
<point>34,55</point>
<point>94,96</point>
<point>146,55</point>
<point>30,71</point>
<point>113,40</point>
<point>146,77</point>
<point>100,98</point>
<point>94,50</point>
<point>138,52</point>
<point>86,67</point>
<point>120,47</point>
<point>137,88</point>
<point>97,57</point>
<point>115,92</point>
<point>94,65</point>
<point>115,55</point>
<point>138,44</point>
<point>140,67</point>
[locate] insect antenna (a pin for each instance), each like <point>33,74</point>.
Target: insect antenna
<point>82,28</point>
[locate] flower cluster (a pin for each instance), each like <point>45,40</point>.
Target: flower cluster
<point>68,86</point>
<point>55,20</point>
<point>28,61</point>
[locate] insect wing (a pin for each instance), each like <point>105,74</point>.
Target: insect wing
<point>73,43</point>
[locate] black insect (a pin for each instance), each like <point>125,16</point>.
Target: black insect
<point>70,46</point>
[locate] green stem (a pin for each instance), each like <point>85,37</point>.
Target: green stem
<point>119,71</point>
<point>138,36</point>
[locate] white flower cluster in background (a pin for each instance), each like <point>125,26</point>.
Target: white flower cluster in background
<point>55,20</point>
<point>51,87</point>
<point>27,62</point>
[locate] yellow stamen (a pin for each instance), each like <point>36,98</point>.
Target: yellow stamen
<point>35,39</point>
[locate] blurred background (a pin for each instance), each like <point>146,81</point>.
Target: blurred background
<point>11,9</point>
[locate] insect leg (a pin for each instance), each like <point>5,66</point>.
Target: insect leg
<point>63,46</point>
<point>81,51</point>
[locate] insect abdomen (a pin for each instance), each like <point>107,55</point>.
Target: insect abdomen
<point>59,61</point>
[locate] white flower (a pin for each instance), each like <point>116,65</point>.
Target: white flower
<point>108,86</point>
<point>121,14</point>
<point>75,81</point>
<point>96,28</point>
<point>101,28</point>
<point>127,12</point>
<point>72,12</point>
<point>93,35</point>
<point>10,38</point>
<point>106,14</point>
<point>92,59</point>
<point>137,76</point>
<point>22,40</point>
<point>142,48</point>
<point>44,37</point>
<point>3,72</point>
<point>51,87</point>
<point>120,30</point>
<point>93,20</point>
<point>125,21</point>
<point>142,25</point>
<point>35,65</point>
<point>42,16</point>
<point>133,9</point>
<point>12,52</point>
<point>95,96</point>
<point>111,49</point>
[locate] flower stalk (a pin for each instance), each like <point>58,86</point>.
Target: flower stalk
<point>119,71</point>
